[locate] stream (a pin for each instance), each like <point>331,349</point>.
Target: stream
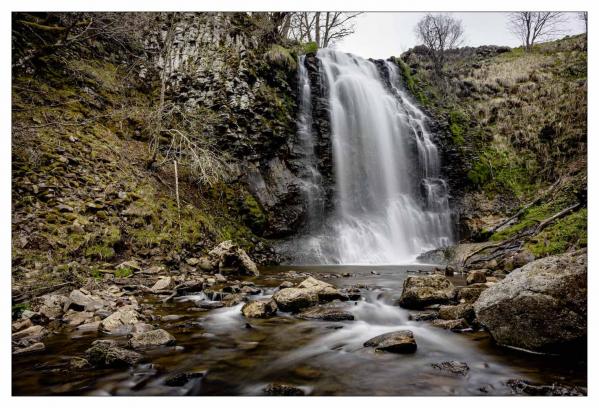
<point>221,354</point>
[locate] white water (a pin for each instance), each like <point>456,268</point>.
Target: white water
<point>390,203</point>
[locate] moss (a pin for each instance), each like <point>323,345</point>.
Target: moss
<point>310,47</point>
<point>282,57</point>
<point>252,213</point>
<point>529,218</point>
<point>123,272</point>
<point>18,309</point>
<point>458,122</point>
<point>568,233</point>
<point>99,251</point>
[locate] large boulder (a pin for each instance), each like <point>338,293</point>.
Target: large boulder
<point>541,306</point>
<point>259,308</point>
<point>401,341</point>
<point>308,293</point>
<point>228,255</point>
<point>421,291</point>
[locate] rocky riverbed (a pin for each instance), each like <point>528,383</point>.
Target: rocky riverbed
<point>311,330</point>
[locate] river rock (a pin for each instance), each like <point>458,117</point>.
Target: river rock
<point>401,341</point>
<point>78,363</point>
<point>294,299</point>
<point>326,313</point>
<point>51,306</point>
<point>469,294</point>
<point>454,367</point>
<point>73,318</point>
<point>121,321</point>
<point>35,347</point>
<point>153,338</point>
<point>541,306</point>
<point>477,276</point>
<point>164,283</point>
<point>259,308</point>
<point>455,325</point>
<point>233,299</point>
<point>30,334</point>
<point>424,316</point>
<point>325,291</point>
<point>81,301</point>
<point>524,387</point>
<point>228,255</point>
<point>453,312</point>
<point>421,291</point>
<point>283,390</point>
<point>105,353</point>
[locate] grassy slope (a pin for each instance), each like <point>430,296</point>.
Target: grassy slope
<point>83,200</point>
<point>519,120</point>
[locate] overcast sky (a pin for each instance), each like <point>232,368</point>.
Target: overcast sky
<point>381,35</point>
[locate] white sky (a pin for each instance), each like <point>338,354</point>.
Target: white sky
<point>383,34</point>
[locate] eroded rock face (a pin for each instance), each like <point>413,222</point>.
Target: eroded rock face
<point>259,308</point>
<point>421,291</point>
<point>228,255</point>
<point>540,307</point>
<point>401,341</point>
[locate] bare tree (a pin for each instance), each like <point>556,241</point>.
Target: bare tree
<point>584,16</point>
<point>534,26</point>
<point>439,33</point>
<point>323,27</point>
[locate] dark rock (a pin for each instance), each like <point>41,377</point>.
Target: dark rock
<point>454,367</point>
<point>424,316</point>
<point>421,291</point>
<point>456,325</point>
<point>152,338</point>
<point>326,313</point>
<point>477,276</point>
<point>105,353</point>
<point>401,341</point>
<point>540,307</point>
<point>453,312</point>
<point>283,390</point>
<point>180,379</point>
<point>469,294</point>
<point>524,387</point>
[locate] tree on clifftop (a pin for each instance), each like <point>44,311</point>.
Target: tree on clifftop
<point>533,26</point>
<point>439,33</point>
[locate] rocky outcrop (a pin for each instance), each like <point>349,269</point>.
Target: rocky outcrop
<point>228,255</point>
<point>421,291</point>
<point>540,307</point>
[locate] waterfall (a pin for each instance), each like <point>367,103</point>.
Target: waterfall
<point>390,203</point>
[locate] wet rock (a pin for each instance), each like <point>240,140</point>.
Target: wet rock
<point>171,318</point>
<point>401,341</point>
<point>248,290</point>
<point>35,347</point>
<point>88,327</point>
<point>141,327</point>
<point>325,291</point>
<point>283,390</point>
<point>454,312</point>
<point>294,299</point>
<point>121,321</point>
<point>540,307</point>
<point>456,325</point>
<point>73,318</point>
<point>469,294</point>
<point>477,276</point>
<point>326,313</point>
<point>259,308</point>
<point>424,316</point>
<point>454,367</point>
<point>353,293</point>
<point>421,291</point>
<point>78,363</point>
<point>153,338</point>
<point>105,353</point>
<point>180,379</point>
<point>233,299</point>
<point>524,387</point>
<point>163,284</point>
<point>229,255</point>
<point>285,285</point>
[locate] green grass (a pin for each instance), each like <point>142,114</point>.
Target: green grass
<point>568,233</point>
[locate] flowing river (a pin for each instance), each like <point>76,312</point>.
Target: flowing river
<point>223,353</point>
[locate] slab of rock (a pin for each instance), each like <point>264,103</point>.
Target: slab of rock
<point>456,325</point>
<point>454,367</point>
<point>421,291</point>
<point>30,333</point>
<point>540,307</point>
<point>424,316</point>
<point>294,299</point>
<point>401,341</point>
<point>228,255</point>
<point>73,318</point>
<point>330,314</point>
<point>478,276</point>
<point>164,283</point>
<point>35,347</point>
<point>121,321</point>
<point>259,308</point>
<point>283,390</point>
<point>105,353</point>
<point>153,338</point>
<point>453,312</point>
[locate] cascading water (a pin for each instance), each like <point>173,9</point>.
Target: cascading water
<point>390,203</point>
